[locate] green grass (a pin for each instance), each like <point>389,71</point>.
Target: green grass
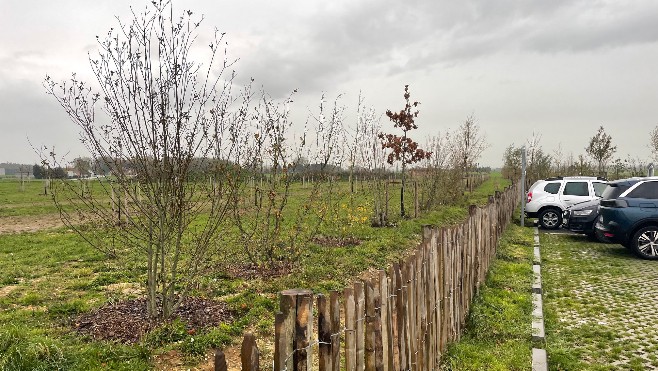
<point>498,334</point>
<point>55,275</point>
<point>598,305</point>
<point>27,200</point>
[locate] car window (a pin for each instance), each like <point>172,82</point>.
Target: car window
<point>645,190</point>
<point>613,191</point>
<point>599,188</point>
<point>552,188</point>
<point>576,189</point>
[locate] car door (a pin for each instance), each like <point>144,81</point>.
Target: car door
<point>575,192</point>
<point>645,196</point>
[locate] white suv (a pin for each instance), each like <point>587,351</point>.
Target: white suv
<point>548,198</point>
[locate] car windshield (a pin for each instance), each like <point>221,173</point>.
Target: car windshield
<point>613,191</point>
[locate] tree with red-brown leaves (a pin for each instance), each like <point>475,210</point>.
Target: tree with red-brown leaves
<point>402,148</point>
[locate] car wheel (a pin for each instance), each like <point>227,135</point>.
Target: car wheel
<point>550,218</point>
<point>645,243</point>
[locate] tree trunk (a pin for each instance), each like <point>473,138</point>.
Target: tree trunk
<point>402,213</point>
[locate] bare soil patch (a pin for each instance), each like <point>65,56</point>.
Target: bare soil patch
<point>128,321</point>
<point>29,223</point>
<point>6,290</point>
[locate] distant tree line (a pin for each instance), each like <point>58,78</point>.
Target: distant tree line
<point>43,172</point>
<point>598,159</point>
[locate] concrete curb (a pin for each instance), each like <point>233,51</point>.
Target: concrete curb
<point>539,358</point>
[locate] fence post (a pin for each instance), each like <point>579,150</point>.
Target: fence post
<point>293,330</point>
<point>329,332</point>
<point>386,319</point>
<point>324,334</point>
<point>220,361</point>
<point>398,319</point>
<point>334,305</point>
<point>249,353</point>
<point>379,346</point>
<point>411,312</point>
<point>360,314</point>
<point>370,327</point>
<point>303,356</point>
<point>284,327</point>
<point>350,329</point>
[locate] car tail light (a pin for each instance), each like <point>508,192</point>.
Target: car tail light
<point>529,197</point>
<point>614,203</point>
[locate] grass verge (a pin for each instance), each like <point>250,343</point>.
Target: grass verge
<point>498,334</point>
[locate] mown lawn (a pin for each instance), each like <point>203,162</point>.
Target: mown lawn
<point>49,277</point>
<point>498,334</point>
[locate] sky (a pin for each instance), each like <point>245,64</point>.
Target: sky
<point>558,69</point>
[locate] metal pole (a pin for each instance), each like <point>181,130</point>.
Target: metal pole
<point>523,197</point>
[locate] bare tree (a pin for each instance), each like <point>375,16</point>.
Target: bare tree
<point>636,165</point>
<point>158,123</point>
<point>583,166</point>
<point>443,182</point>
<point>272,230</point>
<point>653,144</point>
<point>467,145</point>
<point>559,163</point>
<point>512,162</point>
<point>355,140</point>
<point>600,149</point>
<point>82,166</point>
<point>371,156</point>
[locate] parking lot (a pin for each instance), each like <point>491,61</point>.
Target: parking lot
<point>600,305</point>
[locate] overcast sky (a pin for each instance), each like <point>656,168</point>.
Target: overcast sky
<point>558,68</point>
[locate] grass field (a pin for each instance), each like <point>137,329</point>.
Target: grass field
<point>50,276</point>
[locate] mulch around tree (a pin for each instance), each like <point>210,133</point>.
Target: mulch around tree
<point>128,321</point>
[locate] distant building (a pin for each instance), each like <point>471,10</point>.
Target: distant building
<point>2,171</point>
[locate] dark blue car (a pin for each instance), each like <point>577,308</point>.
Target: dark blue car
<point>629,215</point>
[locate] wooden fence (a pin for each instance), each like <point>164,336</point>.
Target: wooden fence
<point>403,318</point>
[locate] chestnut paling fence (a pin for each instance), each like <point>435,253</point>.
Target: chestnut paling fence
<point>403,318</point>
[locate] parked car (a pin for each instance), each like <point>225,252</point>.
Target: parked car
<point>629,215</point>
<point>548,198</point>
<point>581,218</point>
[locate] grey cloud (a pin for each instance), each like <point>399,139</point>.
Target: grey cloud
<point>582,33</point>
<point>29,114</point>
<point>419,34</point>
